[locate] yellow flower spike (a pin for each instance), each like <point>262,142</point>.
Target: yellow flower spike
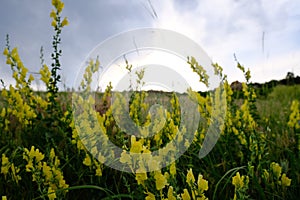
<point>65,22</point>
<point>185,195</point>
<point>285,181</point>
<point>4,165</point>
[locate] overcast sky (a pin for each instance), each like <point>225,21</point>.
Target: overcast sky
<point>264,34</point>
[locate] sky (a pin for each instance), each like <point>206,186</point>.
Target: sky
<point>263,34</point>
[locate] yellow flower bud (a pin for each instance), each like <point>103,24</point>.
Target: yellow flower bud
<point>8,61</point>
<point>54,23</point>
<point>5,52</point>
<point>65,22</point>
<point>53,14</point>
<point>60,6</point>
<point>14,52</point>
<point>31,78</point>
<point>87,161</point>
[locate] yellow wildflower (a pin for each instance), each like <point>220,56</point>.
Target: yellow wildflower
<point>266,175</point>
<point>141,177</point>
<point>238,181</point>
<point>170,194</point>
<point>51,194</point>
<point>58,4</point>
<point>136,146</point>
<point>14,52</point>
<point>275,167</point>
<point>4,198</point>
<point>185,195</point>
<point>8,61</point>
<point>30,155</point>
<point>54,23</point>
<point>173,169</point>
<point>31,78</point>
<point>52,154</point>
<point>65,22</point>
<point>150,196</point>
<point>29,166</point>
<point>53,14</point>
<point>160,180</point>
<point>190,179</point>
<point>202,183</point>
<point>15,171</point>
<point>4,165</point>
<point>98,168</point>
<point>5,52</point>
<point>285,181</point>
<point>87,160</point>
<point>47,171</point>
<point>125,157</point>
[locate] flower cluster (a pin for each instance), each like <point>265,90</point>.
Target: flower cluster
<point>240,186</point>
<point>274,176</point>
<point>294,119</point>
<point>55,15</point>
<point>46,174</point>
<point>7,166</point>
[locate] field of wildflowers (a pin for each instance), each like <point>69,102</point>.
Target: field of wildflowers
<point>43,156</point>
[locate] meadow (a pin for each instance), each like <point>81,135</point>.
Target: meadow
<point>43,156</point>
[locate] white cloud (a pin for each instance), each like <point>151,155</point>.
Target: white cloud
<point>226,27</point>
